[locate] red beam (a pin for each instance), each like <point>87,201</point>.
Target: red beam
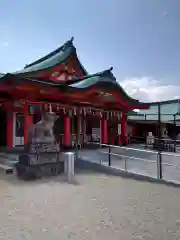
<point>4,99</point>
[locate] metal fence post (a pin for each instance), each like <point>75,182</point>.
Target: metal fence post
<point>159,165</point>
<point>159,155</point>
<point>145,118</point>
<point>109,156</point>
<point>174,132</point>
<point>125,164</point>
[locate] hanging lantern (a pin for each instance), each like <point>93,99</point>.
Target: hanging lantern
<point>107,115</point>
<point>74,111</point>
<point>104,115</point>
<point>119,116</point>
<point>50,108</point>
<point>89,110</point>
<point>45,107</point>
<point>30,109</point>
<point>70,112</point>
<point>111,115</point>
<point>57,107</point>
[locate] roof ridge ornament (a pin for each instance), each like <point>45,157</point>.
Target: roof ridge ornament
<point>68,44</point>
<point>108,70</point>
<point>72,39</point>
<point>108,74</point>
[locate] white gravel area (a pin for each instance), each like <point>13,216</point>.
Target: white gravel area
<point>95,207</point>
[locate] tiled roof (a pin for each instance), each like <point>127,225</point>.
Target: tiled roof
<point>104,81</point>
<point>58,56</point>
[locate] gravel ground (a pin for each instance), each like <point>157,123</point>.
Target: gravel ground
<point>96,206</point>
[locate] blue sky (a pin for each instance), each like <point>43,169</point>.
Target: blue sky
<point>139,38</point>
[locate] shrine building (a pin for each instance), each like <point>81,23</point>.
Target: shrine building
<point>59,83</point>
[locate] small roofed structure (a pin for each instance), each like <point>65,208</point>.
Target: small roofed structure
<point>145,121</point>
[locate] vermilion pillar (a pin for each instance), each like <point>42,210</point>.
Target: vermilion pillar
<point>67,131</point>
<point>9,132</point>
<point>104,131</point>
<point>124,128</point>
<point>27,123</point>
<point>101,131</point>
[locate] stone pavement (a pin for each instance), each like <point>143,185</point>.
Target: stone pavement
<point>95,207</point>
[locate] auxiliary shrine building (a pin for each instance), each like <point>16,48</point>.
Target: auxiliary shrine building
<point>58,83</point>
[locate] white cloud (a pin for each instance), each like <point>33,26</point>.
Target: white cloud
<point>147,89</point>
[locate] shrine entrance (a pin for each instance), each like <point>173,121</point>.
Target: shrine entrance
<point>3,128</point>
<point>18,129</point>
<point>58,130</point>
